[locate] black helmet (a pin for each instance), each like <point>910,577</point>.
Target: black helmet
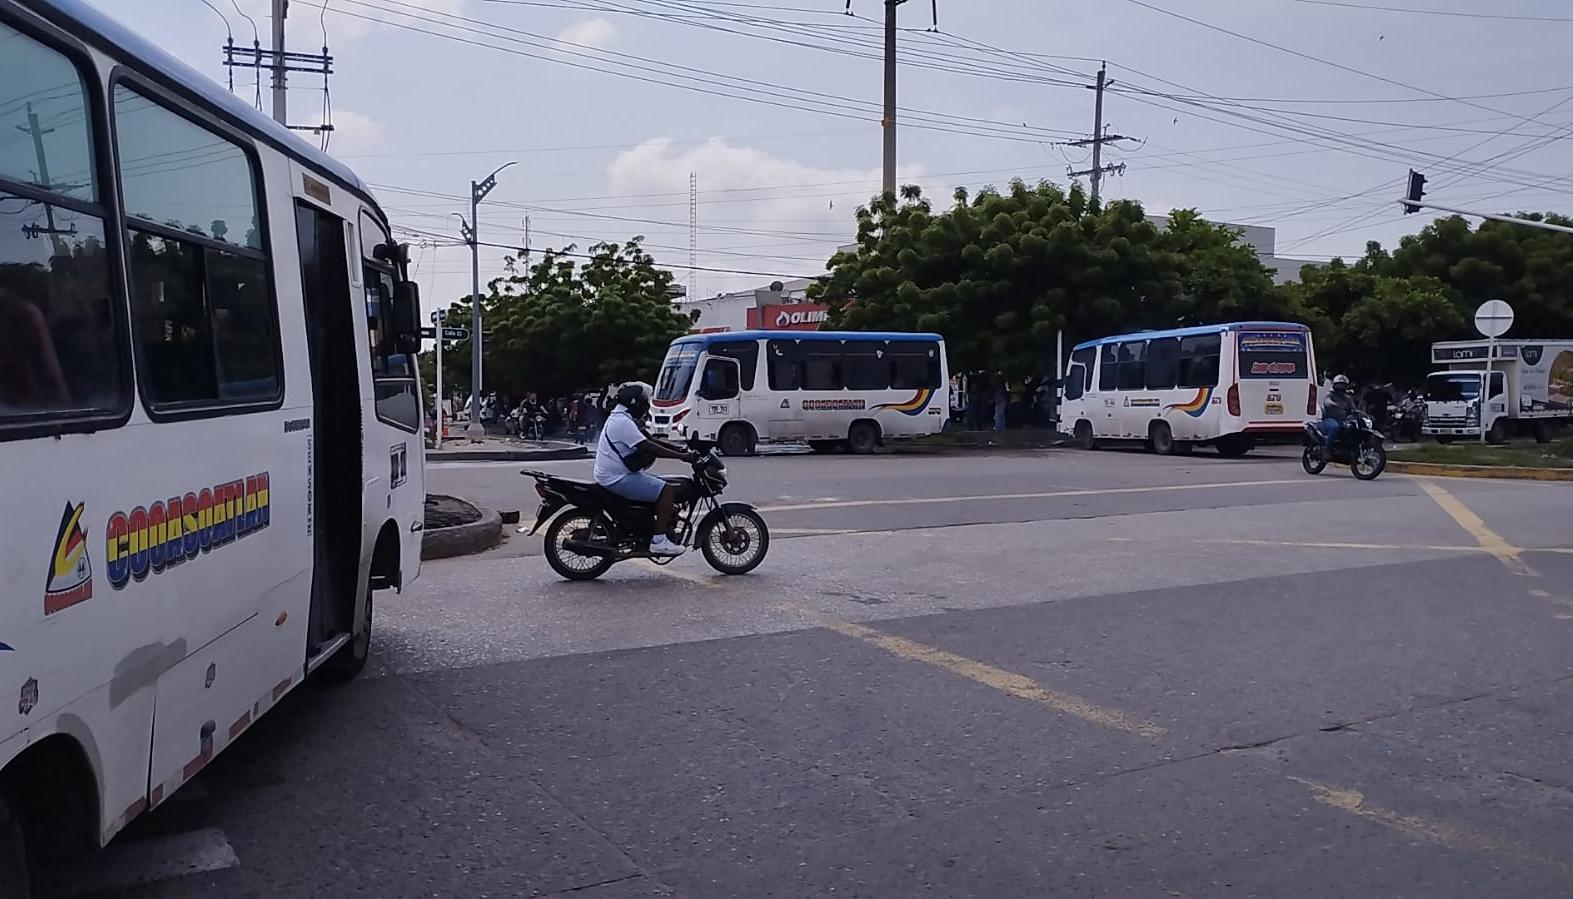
<point>636,398</point>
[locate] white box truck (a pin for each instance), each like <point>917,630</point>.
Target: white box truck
<point>1527,386</point>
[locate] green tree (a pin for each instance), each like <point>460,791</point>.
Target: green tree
<point>1000,273</point>
<point>565,325</point>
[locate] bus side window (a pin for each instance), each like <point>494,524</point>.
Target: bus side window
<point>1109,367</point>
<point>1078,377</point>
<point>913,366</point>
<point>786,365</point>
<point>1199,360</point>
<point>1163,363</point>
<point>746,352</point>
<point>202,306</point>
<point>1133,365</point>
<point>60,344</point>
<point>822,365</point>
<point>865,365</point>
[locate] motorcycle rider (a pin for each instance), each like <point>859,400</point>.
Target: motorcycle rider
<point>1339,405</point>
<point>622,454</point>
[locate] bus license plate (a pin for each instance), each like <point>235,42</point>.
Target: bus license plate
<point>1275,408</point>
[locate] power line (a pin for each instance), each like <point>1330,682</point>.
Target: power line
<point>1435,12</point>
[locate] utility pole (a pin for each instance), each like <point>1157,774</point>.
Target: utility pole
<point>37,132</point>
<point>1100,136</point>
<point>693,235</point>
<point>889,120</point>
<point>471,232</point>
<point>280,94</point>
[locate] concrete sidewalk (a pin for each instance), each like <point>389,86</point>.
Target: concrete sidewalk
<point>505,449</point>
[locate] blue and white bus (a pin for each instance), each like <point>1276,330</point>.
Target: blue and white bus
<point>829,388</point>
<point>1229,386</point>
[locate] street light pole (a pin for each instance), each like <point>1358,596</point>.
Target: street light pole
<point>478,191</point>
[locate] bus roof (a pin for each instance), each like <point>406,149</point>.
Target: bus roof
<point>725,336</point>
<point>108,34</point>
<point>1194,331</point>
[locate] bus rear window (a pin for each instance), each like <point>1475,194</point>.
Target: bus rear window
<point>1274,354</point>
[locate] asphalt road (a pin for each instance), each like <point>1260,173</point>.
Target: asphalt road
<point>1045,673</point>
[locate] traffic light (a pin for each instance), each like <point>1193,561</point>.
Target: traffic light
<point>1417,189</point>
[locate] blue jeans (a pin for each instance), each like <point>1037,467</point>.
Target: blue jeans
<point>1330,429</point>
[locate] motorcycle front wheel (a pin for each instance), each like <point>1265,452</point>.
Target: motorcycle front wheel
<point>575,525</point>
<point>735,543</point>
<point>1369,462</point>
<point>1312,459</point>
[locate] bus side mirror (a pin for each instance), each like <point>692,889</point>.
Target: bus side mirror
<point>407,315</point>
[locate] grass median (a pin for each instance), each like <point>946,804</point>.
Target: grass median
<point>1558,454</point>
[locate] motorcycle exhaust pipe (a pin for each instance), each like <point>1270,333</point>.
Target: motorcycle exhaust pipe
<point>586,548</point>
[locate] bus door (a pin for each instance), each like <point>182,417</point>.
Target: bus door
<point>1274,377</point>
<point>784,373</point>
<point>334,463</point>
<point>745,405</point>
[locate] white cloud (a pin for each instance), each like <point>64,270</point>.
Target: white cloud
<point>355,133</point>
<point>792,215</point>
<point>597,32</point>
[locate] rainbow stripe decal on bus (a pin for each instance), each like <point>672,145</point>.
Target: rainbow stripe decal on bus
<point>1197,404</point>
<point>914,406</point>
<point>164,534</point>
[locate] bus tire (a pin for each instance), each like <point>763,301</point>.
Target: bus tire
<point>351,657</point>
<point>1085,438</point>
<point>736,440</point>
<point>1161,438</point>
<point>15,870</point>
<point>863,437</point>
<point>1234,446</point>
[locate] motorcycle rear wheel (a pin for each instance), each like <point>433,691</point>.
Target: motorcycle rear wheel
<point>1312,460</point>
<point>735,543</point>
<point>574,524</point>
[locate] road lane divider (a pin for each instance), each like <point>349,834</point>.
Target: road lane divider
<point>1422,828</point>
<point>1047,494</point>
<point>1009,682</point>
<point>1489,540</point>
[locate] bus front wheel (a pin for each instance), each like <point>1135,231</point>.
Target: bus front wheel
<point>1085,439</point>
<point>14,868</point>
<point>351,657</point>
<point>737,440</point>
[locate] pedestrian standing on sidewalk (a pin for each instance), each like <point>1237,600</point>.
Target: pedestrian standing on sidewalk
<point>1001,399</point>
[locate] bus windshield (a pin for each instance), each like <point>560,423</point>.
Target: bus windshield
<point>1453,388</point>
<point>1273,354</point>
<point>676,373</point>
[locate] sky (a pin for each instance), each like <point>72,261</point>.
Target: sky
<point>1302,115</point>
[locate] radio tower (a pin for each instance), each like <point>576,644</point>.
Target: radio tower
<point>693,236</point>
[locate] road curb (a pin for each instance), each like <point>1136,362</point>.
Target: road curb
<point>463,539</point>
<point>1506,472</point>
<point>551,455</point>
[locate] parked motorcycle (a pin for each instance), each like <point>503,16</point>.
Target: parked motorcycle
<point>1359,445</point>
<point>597,529</point>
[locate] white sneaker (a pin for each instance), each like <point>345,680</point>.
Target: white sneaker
<point>662,545</point>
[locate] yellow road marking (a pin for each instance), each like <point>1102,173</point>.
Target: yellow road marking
<point>1441,833</point>
<point>1005,681</point>
<point>1488,539</point>
<point>669,571</point>
<point>1050,494</point>
<point>1319,544</point>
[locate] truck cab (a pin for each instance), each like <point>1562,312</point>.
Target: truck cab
<point>1454,404</point>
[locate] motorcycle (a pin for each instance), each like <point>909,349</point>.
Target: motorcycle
<point>1359,445</point>
<point>596,529</point>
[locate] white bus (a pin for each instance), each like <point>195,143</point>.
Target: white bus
<point>830,388</point>
<point>1230,386</point>
<point>210,444</point>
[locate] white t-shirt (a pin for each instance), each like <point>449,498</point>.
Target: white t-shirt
<point>618,438</point>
